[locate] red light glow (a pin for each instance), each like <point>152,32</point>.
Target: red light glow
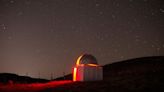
<point>78,60</point>
<point>74,74</point>
<point>92,64</point>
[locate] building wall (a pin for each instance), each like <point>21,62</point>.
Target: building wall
<point>89,73</point>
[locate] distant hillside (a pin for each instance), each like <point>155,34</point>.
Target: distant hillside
<point>141,65</point>
<point>135,75</point>
<point>8,78</point>
<point>146,67</point>
<point>140,74</point>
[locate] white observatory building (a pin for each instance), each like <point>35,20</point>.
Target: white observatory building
<point>87,69</point>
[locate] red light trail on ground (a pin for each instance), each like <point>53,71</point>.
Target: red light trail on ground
<point>35,87</point>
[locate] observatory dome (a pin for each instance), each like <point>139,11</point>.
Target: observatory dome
<point>86,59</point>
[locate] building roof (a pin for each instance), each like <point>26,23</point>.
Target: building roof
<point>86,59</point>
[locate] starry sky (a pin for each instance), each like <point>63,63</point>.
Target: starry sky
<point>43,38</point>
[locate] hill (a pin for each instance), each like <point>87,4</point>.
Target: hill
<point>139,74</point>
<point>9,78</point>
<point>135,75</point>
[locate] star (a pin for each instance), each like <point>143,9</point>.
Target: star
<point>12,1</point>
<point>161,10</point>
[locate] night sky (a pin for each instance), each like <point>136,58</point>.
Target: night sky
<point>40,38</point>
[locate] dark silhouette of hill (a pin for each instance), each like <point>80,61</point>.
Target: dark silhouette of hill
<point>139,74</point>
<point>135,75</point>
<point>141,65</point>
<point>9,78</point>
<point>146,66</point>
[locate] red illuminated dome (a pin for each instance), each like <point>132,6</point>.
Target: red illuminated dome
<point>86,59</point>
<point>87,69</point>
